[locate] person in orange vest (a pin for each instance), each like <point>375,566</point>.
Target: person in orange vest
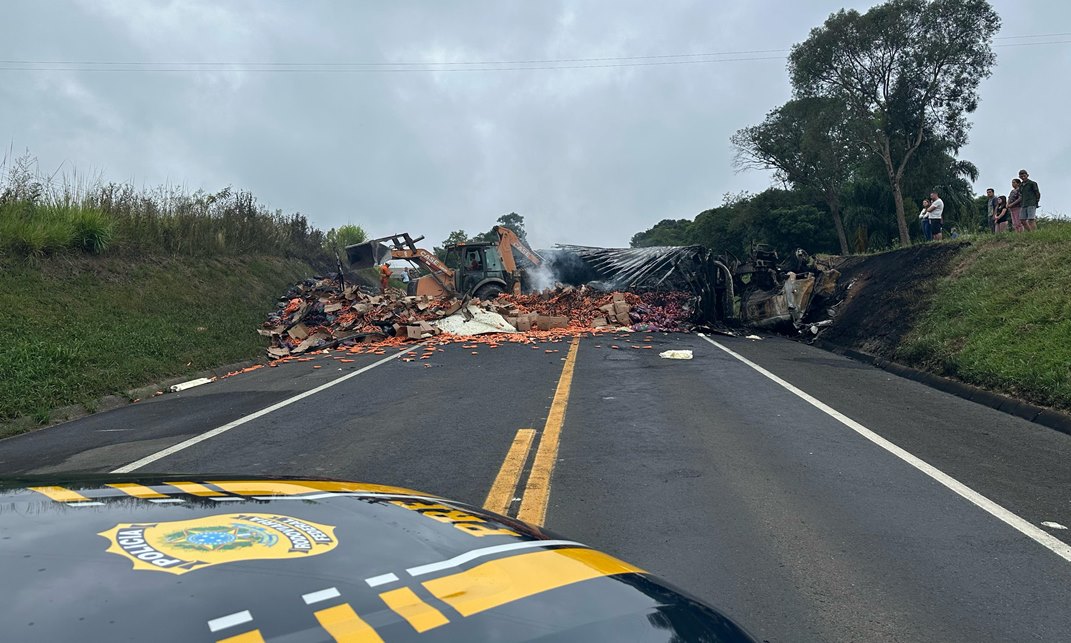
<point>384,276</point>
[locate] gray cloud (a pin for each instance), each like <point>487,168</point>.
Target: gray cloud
<point>589,156</point>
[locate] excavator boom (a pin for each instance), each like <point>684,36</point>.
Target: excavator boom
<point>508,241</point>
<point>401,246</point>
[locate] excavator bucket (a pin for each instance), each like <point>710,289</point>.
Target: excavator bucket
<point>368,254</point>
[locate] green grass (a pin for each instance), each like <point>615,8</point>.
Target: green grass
<point>1002,320</point>
<point>42,216</point>
<point>76,330</point>
<point>35,230</point>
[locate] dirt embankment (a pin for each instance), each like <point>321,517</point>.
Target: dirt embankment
<point>885,295</point>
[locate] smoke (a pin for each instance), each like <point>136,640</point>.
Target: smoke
<point>559,267</point>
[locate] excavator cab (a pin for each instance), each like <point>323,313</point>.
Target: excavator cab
<point>484,270</point>
<point>480,270</point>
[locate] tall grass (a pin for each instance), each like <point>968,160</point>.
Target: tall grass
<point>42,215</point>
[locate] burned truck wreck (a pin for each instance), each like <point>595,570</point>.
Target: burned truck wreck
<point>761,291</point>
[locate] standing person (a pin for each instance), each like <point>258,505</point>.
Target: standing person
<point>1001,215</point>
<point>1030,199</point>
<point>936,213</point>
<point>384,278</point>
<point>1014,201</point>
<point>924,220</point>
<point>991,208</point>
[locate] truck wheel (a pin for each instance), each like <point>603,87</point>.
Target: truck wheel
<point>488,292</point>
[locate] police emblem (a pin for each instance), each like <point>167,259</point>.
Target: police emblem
<point>185,545</point>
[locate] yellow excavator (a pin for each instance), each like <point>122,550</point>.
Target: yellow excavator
<point>483,270</point>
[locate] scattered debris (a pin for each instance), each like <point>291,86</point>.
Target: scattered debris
<point>192,383</point>
<point>1053,525</point>
<point>321,314</point>
<point>679,354</point>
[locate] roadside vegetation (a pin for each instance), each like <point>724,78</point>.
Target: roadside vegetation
<point>104,287</point>
<point>875,122</point>
<point>42,216</point>
<point>1002,318</point>
<point>77,329</point>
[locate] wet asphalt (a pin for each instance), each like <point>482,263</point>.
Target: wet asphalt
<point>703,472</point>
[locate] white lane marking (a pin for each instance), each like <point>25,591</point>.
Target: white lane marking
<point>85,504</point>
<point>382,579</point>
<point>1046,540</point>
<point>487,551</point>
<point>1052,525</point>
<point>164,501</point>
<point>320,596</point>
<point>226,499</point>
<point>207,435</point>
<point>230,620</point>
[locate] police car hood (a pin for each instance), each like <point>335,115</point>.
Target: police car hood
<point>245,560</point>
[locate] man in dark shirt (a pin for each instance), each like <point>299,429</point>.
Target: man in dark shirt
<point>1030,199</point>
<point>991,208</point>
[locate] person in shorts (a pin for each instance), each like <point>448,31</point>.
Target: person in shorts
<point>1030,199</point>
<point>936,213</point>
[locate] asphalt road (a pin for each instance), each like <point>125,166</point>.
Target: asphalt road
<point>811,497</point>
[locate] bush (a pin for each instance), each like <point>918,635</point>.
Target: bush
<point>92,230</point>
<point>39,217</point>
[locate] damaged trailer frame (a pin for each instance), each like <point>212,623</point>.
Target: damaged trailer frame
<point>773,295</point>
<point>692,269</point>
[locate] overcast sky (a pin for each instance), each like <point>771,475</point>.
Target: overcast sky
<point>588,156</point>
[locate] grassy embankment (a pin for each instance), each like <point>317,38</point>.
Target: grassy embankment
<point>78,329</point>
<point>1002,319</point>
<point>104,288</point>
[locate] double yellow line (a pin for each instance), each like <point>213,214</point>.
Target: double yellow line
<point>537,489</point>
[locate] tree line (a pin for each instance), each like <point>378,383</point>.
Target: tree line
<point>877,116</point>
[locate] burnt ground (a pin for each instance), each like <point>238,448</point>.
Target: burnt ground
<point>882,296</point>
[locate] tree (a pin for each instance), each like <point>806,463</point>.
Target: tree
<point>904,69</point>
<point>452,239</point>
<point>808,144</point>
<point>336,239</point>
<point>514,222</point>
<point>667,232</point>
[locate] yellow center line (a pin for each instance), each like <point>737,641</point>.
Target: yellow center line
<point>501,495</point>
<point>537,490</point>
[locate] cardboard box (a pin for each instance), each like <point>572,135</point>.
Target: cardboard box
<point>619,297</point>
<point>414,332</point>
<point>298,331</point>
<point>524,324</point>
<point>546,323</point>
<point>599,322</point>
